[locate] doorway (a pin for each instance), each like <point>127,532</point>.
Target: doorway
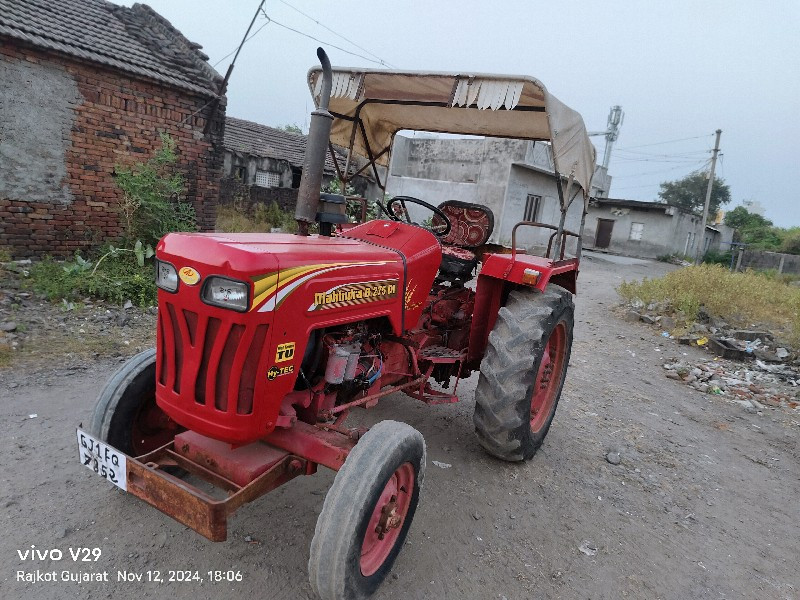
<point>603,235</point>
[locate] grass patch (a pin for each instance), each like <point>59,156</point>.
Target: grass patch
<point>118,278</point>
<point>741,299</point>
<point>261,219</point>
<point>5,355</point>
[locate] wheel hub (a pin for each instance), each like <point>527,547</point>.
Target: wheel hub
<point>387,518</point>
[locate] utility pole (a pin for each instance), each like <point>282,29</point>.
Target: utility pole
<point>701,244</point>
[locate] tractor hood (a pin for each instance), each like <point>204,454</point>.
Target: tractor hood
<point>253,253</point>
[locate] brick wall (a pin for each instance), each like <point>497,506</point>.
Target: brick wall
<point>66,125</point>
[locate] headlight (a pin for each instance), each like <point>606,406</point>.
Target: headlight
<point>166,276</point>
<point>227,293</point>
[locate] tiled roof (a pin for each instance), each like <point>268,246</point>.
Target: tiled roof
<point>137,40</point>
<point>247,137</point>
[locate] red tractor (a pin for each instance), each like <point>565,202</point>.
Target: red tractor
<point>265,342</point>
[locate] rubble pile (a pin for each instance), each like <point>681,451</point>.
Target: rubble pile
<point>751,368</point>
<point>752,385</point>
<point>714,333</point>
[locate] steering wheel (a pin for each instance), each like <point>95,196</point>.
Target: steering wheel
<point>397,211</point>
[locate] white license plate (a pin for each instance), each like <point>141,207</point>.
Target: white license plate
<point>102,459</point>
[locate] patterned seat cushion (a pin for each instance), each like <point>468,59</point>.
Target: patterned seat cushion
<point>472,224</point>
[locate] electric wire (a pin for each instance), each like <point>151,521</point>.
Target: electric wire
<point>349,41</point>
<point>319,41</point>
<point>697,137</point>
<point>250,37</point>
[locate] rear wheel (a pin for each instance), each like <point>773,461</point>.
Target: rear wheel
<point>367,512</point>
<point>523,372</point>
<point>126,415</point>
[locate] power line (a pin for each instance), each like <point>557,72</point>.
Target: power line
<point>349,41</point>
<point>243,43</point>
<point>699,166</point>
<point>697,137</point>
<point>319,41</point>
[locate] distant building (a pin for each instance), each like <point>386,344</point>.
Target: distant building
<point>514,178</point>
<point>754,207</point>
<point>649,229</point>
<point>86,85</point>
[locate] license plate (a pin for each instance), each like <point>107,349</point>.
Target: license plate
<point>102,459</point>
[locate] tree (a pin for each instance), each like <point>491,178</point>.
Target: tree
<point>791,241</point>
<point>753,229</point>
<point>690,193</point>
<point>294,128</point>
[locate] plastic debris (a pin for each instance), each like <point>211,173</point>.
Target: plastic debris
<point>702,341</point>
<point>588,548</point>
<point>441,465</point>
<point>32,416</point>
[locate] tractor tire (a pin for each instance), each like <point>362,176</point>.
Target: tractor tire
<point>367,513</point>
<point>523,371</point>
<point>126,415</point>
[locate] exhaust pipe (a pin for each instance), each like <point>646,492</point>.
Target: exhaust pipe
<point>319,133</point>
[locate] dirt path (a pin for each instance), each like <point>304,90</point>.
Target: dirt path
<point>703,504</point>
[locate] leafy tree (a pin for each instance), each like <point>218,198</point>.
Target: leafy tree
<point>741,218</point>
<point>791,241</point>
<point>690,192</point>
<point>293,128</point>
<point>753,229</point>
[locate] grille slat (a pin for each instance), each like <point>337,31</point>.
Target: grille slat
<point>227,357</point>
<point>247,379</point>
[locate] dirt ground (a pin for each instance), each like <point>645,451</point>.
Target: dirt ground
<point>704,502</point>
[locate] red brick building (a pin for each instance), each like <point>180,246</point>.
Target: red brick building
<point>85,86</point>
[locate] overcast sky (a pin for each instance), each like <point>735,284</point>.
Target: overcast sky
<point>679,69</point>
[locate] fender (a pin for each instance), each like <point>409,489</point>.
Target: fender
<point>500,273</point>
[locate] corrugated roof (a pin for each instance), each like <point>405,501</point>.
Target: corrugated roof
<point>247,137</point>
<point>137,39</point>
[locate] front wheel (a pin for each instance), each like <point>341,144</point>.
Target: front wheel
<point>523,372</point>
<point>126,415</point>
<point>367,512</point>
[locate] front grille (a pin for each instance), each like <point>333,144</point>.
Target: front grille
<point>211,361</point>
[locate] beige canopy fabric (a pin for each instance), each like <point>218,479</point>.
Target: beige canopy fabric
<point>506,106</point>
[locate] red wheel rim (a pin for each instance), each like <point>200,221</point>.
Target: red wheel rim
<point>151,428</point>
<point>548,380</point>
<point>387,519</point>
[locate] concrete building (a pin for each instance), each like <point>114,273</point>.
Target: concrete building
<point>648,229</point>
<point>514,178</point>
<point>86,85</point>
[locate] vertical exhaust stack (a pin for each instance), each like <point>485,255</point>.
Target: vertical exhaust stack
<point>319,133</point>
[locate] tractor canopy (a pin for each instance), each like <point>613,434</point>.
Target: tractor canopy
<point>370,106</point>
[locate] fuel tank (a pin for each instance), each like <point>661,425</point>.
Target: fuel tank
<point>223,371</point>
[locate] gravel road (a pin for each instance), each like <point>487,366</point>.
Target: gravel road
<point>703,503</point>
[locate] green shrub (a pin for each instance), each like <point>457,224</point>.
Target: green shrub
<point>739,298</point>
<point>713,257</point>
<point>233,219</point>
<point>117,278</point>
<point>152,204</point>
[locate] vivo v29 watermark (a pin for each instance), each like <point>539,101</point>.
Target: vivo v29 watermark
<point>79,565</point>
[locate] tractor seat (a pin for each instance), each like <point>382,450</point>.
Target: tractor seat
<point>472,225</point>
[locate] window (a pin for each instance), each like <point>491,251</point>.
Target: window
<point>268,179</point>
<point>532,205</point>
<point>240,173</point>
<point>637,229</point>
